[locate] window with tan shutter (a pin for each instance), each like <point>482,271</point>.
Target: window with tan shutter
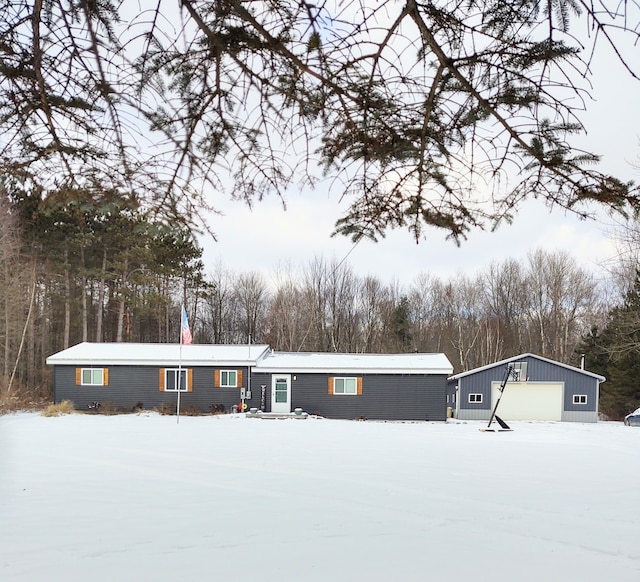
<point>92,376</point>
<point>345,386</point>
<point>172,378</point>
<point>229,378</point>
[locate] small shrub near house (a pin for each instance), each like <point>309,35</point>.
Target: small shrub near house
<point>185,409</point>
<point>190,410</point>
<point>104,407</point>
<point>166,408</point>
<point>64,407</point>
<point>108,408</point>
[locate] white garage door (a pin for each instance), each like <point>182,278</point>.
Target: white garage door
<point>529,401</point>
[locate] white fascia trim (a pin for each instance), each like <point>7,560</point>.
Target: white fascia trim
<point>334,370</point>
<point>86,362</point>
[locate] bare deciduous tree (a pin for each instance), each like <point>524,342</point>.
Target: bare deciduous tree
<point>562,295</point>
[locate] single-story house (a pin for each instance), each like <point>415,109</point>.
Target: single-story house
<point>537,389</point>
<point>212,377</point>
<point>126,374</point>
<point>375,386</point>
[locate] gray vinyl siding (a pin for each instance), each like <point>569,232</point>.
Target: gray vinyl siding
<point>384,396</point>
<point>466,414</point>
<point>574,386</point>
<point>585,416</point>
<point>129,385</point>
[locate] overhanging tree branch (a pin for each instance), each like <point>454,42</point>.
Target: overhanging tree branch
<point>420,111</point>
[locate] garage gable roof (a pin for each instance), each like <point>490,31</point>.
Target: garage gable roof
<point>522,356</point>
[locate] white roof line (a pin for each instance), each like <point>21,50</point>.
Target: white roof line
<point>521,356</point>
<point>261,358</point>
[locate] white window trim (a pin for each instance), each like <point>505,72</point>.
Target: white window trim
<point>92,370</point>
<point>520,371</point>
<point>184,387</point>
<point>223,372</point>
<point>479,398</point>
<point>345,393</point>
<point>580,399</point>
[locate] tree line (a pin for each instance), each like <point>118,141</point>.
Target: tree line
<point>74,270</point>
<point>543,304</point>
<point>79,269</point>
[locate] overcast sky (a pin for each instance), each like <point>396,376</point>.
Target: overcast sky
<point>262,238</point>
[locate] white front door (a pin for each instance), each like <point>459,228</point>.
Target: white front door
<point>281,393</point>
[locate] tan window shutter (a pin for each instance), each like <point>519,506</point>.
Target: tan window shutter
<point>161,380</point>
<point>359,386</point>
<point>78,376</point>
<point>189,379</point>
<point>239,374</point>
<point>216,378</point>
<point>330,384</point>
<point>105,376</point>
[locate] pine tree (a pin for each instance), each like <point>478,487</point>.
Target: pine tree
<point>615,353</point>
<point>406,104</point>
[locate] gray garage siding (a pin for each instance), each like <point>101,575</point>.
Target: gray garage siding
<point>538,370</point>
<point>573,384</point>
<point>131,384</point>
<point>384,396</point>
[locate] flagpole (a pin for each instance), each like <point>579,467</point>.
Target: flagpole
<point>180,364</point>
<point>179,374</point>
<point>185,338</point>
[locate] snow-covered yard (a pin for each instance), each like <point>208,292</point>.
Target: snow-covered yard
<point>140,497</point>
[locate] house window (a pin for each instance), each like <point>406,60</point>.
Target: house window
<point>93,377</point>
<point>519,373</point>
<point>579,398</point>
<point>345,386</point>
<point>171,380</point>
<point>228,379</point>
<point>475,398</point>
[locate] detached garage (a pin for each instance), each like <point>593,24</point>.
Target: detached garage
<point>537,389</point>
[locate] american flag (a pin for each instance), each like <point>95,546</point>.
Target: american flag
<point>185,335</point>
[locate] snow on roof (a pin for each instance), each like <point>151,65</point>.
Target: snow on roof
<point>158,354</point>
<point>520,357</point>
<point>258,356</point>
<point>355,363</point>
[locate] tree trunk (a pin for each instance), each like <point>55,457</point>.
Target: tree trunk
<point>85,318</point>
<point>100,305</point>
<point>67,301</point>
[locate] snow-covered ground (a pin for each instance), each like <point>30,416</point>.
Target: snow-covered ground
<point>226,498</point>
